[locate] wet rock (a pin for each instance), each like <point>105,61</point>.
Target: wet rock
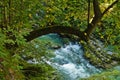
<point>55,46</point>
<point>66,40</point>
<point>107,66</point>
<point>114,63</point>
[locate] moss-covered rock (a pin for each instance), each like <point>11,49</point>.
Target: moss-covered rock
<point>98,57</point>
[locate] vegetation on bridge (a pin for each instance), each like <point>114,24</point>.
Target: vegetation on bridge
<point>22,21</point>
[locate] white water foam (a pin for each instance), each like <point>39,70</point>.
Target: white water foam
<point>69,60</point>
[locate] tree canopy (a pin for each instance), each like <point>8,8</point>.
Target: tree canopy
<point>24,20</point>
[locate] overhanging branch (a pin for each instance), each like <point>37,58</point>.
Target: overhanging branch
<point>107,9</point>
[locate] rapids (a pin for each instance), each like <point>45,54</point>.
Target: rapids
<point>69,60</point>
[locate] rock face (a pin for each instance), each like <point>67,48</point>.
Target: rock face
<point>98,56</point>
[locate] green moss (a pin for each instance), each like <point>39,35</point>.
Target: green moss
<point>108,75</point>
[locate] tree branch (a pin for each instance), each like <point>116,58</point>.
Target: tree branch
<point>97,17</point>
<point>97,11</point>
<point>109,7</point>
<point>88,12</point>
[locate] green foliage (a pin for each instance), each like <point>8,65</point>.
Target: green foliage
<point>40,71</point>
<point>19,17</point>
<point>109,29</point>
<point>36,53</point>
<point>108,75</point>
<point>15,22</point>
<point>64,12</point>
<point>109,33</point>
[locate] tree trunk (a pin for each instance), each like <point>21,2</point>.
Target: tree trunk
<point>97,16</point>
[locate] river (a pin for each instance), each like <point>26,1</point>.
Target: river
<point>69,60</point>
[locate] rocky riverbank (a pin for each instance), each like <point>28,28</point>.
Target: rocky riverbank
<point>97,55</point>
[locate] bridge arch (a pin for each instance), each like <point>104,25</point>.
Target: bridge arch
<point>54,29</point>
